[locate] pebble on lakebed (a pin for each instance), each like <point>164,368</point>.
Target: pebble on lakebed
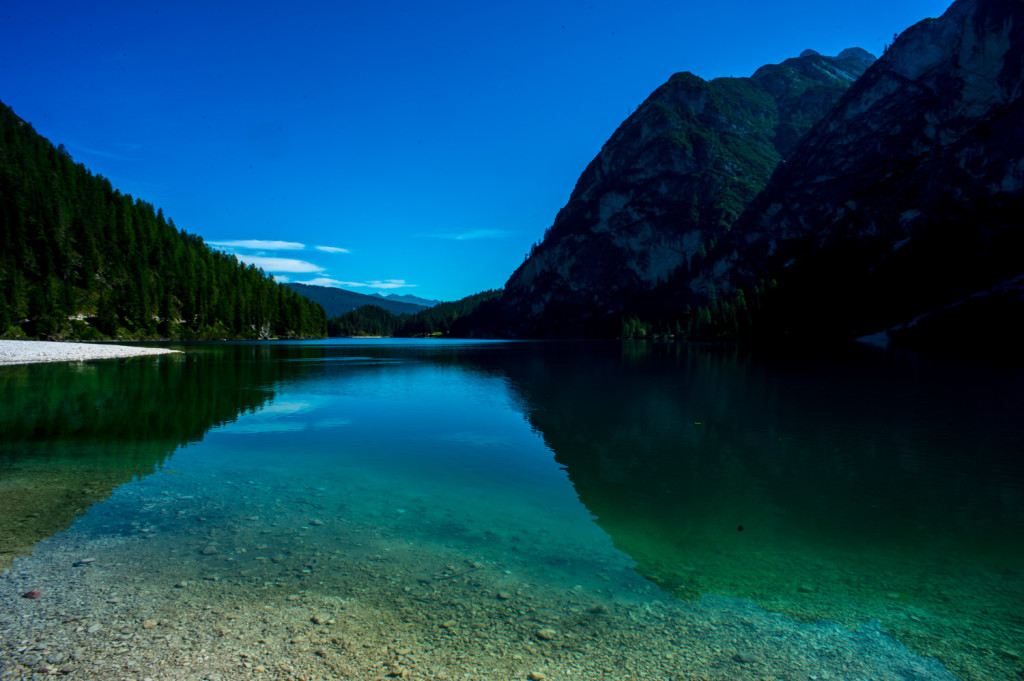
<point>424,616</point>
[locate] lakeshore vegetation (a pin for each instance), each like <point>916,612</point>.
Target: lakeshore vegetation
<point>445,319</point>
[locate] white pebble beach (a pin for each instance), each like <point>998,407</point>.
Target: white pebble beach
<point>26,352</point>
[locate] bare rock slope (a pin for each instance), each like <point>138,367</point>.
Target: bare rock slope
<point>789,204</point>
<point>670,181</point>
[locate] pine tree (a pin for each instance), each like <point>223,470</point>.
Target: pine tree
<point>71,244</point>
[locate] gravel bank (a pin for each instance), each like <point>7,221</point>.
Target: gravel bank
<point>25,352</point>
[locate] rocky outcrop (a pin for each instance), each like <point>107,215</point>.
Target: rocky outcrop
<point>904,202</point>
<point>896,215</point>
<point>668,184</point>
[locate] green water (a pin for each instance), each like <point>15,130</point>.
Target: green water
<point>852,487</point>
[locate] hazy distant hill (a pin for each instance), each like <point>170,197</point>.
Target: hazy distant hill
<point>338,301</point>
<point>442,319</point>
<point>408,298</point>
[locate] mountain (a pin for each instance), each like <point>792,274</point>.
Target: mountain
<point>338,301</point>
<point>789,205</point>
<point>79,259</point>
<point>408,298</point>
<point>900,213</point>
<point>669,183</point>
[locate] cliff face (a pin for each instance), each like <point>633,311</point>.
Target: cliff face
<point>710,211</point>
<point>668,184</point>
<point>901,209</point>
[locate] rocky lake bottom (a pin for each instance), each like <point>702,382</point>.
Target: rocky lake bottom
<point>268,580</point>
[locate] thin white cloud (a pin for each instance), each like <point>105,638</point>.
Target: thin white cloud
<point>278,264</point>
<point>98,152</point>
<point>259,245</point>
<point>385,284</point>
<point>474,234</point>
<point>331,249</point>
<point>281,278</point>
<point>322,281</point>
<point>389,283</point>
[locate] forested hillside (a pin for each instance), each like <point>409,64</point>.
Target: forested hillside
<point>338,301</point>
<point>445,319</point>
<point>79,259</point>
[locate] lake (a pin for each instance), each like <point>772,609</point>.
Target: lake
<point>488,510</point>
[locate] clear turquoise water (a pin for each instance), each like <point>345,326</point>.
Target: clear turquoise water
<point>850,488</point>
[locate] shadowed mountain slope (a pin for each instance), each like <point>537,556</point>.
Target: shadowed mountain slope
<point>669,183</point>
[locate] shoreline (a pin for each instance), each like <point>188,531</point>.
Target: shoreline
<point>32,352</point>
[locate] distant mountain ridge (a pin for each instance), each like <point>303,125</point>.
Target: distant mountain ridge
<point>338,301</point>
<point>408,298</point>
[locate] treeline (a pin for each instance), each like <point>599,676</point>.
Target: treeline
<point>441,320</point>
<point>733,317</point>
<point>80,260</point>
<point>730,317</point>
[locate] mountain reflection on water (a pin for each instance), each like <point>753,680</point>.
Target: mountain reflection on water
<point>851,487</point>
<point>722,450</point>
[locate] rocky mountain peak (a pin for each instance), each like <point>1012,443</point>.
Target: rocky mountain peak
<point>901,200</point>
<point>857,53</point>
<point>669,182</point>
<point>821,197</point>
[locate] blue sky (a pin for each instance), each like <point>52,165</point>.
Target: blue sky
<point>392,147</point>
